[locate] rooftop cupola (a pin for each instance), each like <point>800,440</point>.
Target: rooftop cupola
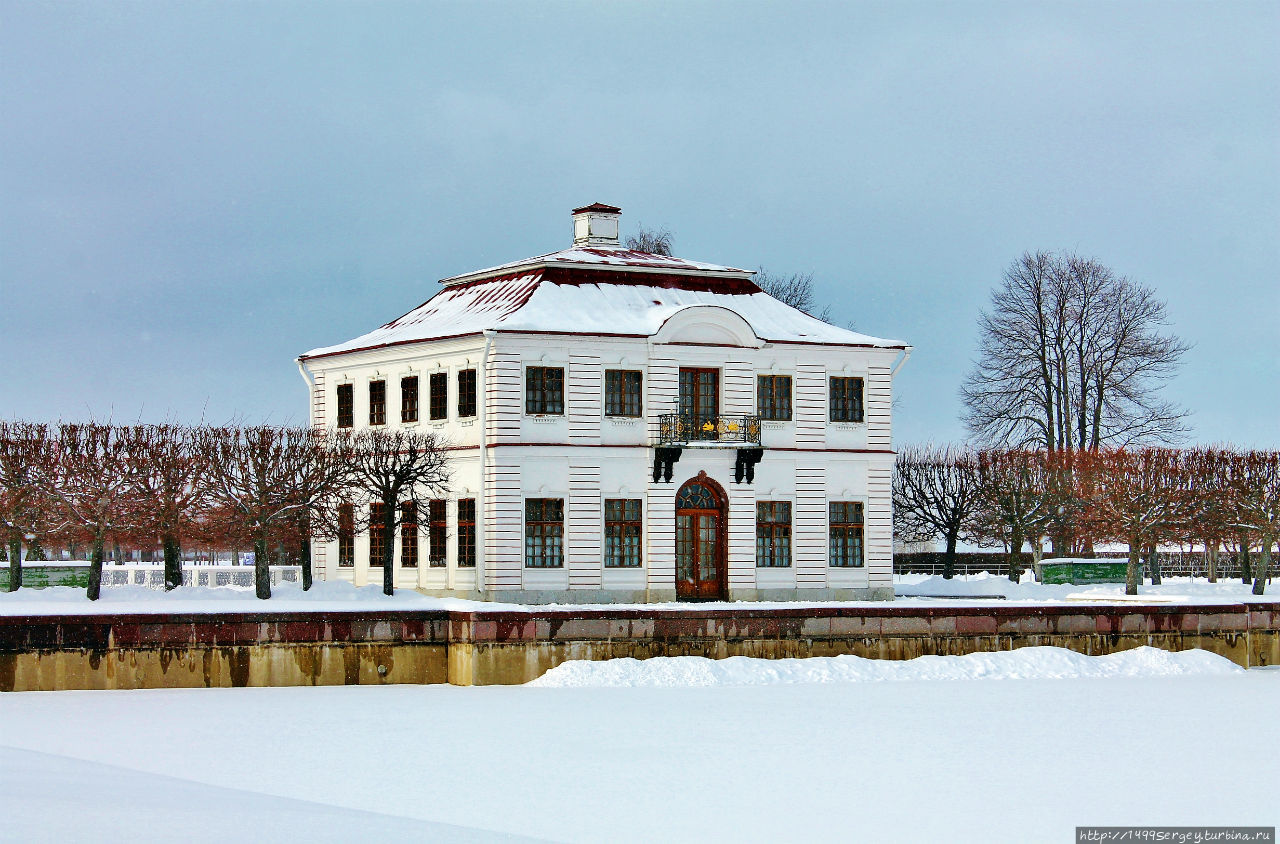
<point>596,225</point>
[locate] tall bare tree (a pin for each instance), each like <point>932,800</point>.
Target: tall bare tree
<point>1072,357</point>
<point>393,468</point>
<point>935,496</point>
<point>653,241</point>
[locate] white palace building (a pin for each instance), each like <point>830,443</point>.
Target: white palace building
<point>626,426</point>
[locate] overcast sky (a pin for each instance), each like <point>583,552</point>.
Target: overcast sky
<point>191,195</point>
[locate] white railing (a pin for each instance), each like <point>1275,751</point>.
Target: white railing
<point>151,575</point>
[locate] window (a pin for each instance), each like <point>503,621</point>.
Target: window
<point>846,533</point>
<point>544,389</point>
<point>377,402</point>
<point>346,405</point>
<point>346,535</point>
<point>466,393</point>
<point>622,392</point>
<point>773,534</point>
<point>622,532</point>
<point>773,397</point>
<point>467,532</point>
<point>409,535</point>
<point>544,533</point>
<point>846,399</point>
<point>409,399</point>
<point>435,532</point>
<point>377,534</point>
<point>439,398</point>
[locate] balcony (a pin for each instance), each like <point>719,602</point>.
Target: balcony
<point>727,430</point>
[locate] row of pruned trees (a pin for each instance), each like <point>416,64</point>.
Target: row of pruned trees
<point>1142,497</point>
<point>233,486</point>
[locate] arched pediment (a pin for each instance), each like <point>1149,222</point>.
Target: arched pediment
<point>707,324</point>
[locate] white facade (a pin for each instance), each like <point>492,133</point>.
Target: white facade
<point>584,312</point>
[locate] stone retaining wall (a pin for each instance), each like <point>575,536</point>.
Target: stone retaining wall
<point>482,648</point>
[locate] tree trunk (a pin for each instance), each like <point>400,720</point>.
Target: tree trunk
<point>1211,561</point>
<point>1243,557</point>
<point>261,568</point>
<point>94,588</point>
<point>15,563</point>
<point>1131,573</point>
<point>1037,554</point>
<point>389,547</point>
<point>949,557</point>
<point>1153,564</point>
<point>1264,567</point>
<point>172,562</point>
<point>1015,556</point>
<point>304,556</point>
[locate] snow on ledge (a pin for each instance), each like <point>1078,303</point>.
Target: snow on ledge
<point>1033,663</point>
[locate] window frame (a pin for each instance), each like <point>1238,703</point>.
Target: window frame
<point>850,530</point>
<point>346,405</point>
<point>378,408</point>
<point>437,534</point>
<point>438,396</point>
<point>467,535</point>
<point>617,401</point>
<point>549,552</point>
<point>769,403</point>
<point>346,536</point>
<point>773,535</point>
<point>409,399</point>
<point>409,534</point>
<point>619,553</point>
<point>851,408</point>
<point>468,394</point>
<point>538,404</point>
<point>376,540</point>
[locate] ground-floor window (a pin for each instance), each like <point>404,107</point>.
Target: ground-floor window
<point>773,534</point>
<point>623,530</point>
<point>845,537</point>
<point>435,532</point>
<point>467,532</point>
<point>377,533</point>
<point>409,535</point>
<point>346,535</point>
<point>544,533</point>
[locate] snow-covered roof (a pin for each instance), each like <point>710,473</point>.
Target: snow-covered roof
<point>598,292</point>
<point>595,257</point>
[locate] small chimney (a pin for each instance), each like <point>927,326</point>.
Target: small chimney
<point>596,225</point>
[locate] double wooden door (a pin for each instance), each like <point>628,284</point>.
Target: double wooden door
<point>700,543</point>
<point>700,402</point>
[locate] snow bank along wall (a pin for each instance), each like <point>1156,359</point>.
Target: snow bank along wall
<point>492,647</point>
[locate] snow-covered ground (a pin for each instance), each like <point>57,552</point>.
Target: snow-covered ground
<point>335,596</point>
<point>928,758</point>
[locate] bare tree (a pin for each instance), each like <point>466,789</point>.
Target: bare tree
<point>392,468</point>
<point>173,488</point>
<point>935,496</point>
<point>795,290</point>
<point>93,472</point>
<point>257,475</point>
<point>1138,497</point>
<point>25,511</point>
<point>1255,483</point>
<point>652,241</point>
<point>1072,357</point>
<point>1209,501</point>
<point>1013,493</point>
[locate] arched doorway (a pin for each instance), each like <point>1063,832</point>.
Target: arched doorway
<point>701,573</point>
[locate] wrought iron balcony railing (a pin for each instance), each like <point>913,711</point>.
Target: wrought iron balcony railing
<point>689,429</point>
